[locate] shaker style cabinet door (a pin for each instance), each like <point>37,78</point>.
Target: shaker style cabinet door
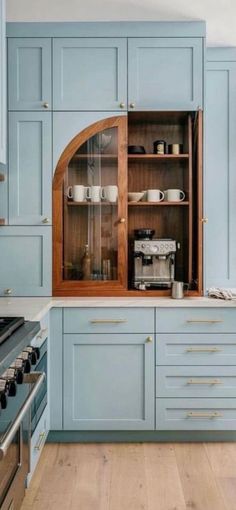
<point>29,74</point>
<point>3,71</point>
<point>25,268</point>
<point>90,74</point>
<point>108,382</point>
<point>30,168</point>
<point>220,174</point>
<point>165,73</point>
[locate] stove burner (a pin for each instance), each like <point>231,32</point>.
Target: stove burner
<point>8,325</point>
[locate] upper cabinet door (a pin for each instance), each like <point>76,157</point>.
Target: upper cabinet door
<point>29,74</point>
<point>220,175</point>
<point>30,168</point>
<point>165,73</point>
<point>90,74</point>
<point>3,99</point>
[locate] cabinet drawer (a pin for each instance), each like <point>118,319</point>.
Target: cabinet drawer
<point>196,382</point>
<point>108,320</point>
<point>195,349</point>
<point>197,414</point>
<point>196,320</point>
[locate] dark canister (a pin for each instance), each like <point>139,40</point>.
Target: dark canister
<point>159,147</point>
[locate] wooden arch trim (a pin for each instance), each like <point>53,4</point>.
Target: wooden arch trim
<point>60,286</point>
<point>79,140</point>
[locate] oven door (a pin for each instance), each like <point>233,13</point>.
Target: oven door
<point>14,441</point>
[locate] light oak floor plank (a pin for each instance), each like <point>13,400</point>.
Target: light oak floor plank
<point>200,487</point>
<point>134,476</point>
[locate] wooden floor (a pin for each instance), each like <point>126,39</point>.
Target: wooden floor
<point>138,476</point>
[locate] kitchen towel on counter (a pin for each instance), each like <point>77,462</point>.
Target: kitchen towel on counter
<point>217,292</point>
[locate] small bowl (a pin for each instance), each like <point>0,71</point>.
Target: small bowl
<point>135,196</point>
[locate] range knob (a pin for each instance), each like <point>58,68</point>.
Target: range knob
<point>10,380</point>
<point>12,388</point>
<point>24,356</point>
<point>34,354</point>
<point>3,393</point>
<point>18,367</point>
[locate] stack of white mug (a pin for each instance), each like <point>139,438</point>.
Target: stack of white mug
<point>170,195</point>
<point>80,193</point>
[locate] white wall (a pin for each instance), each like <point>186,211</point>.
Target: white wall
<point>220,15</point>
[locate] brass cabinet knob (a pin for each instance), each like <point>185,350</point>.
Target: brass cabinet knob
<point>46,220</point>
<point>8,292</point>
<point>132,105</point>
<point>122,105</point>
<point>149,339</point>
<point>204,220</point>
<point>122,220</point>
<point>46,105</point>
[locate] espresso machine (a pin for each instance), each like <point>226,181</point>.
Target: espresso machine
<point>154,260</point>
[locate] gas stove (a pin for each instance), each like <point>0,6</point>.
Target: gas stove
<point>8,325</point>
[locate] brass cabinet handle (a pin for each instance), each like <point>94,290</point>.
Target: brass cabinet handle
<point>204,220</point>
<point>204,381</point>
<point>108,321</point>
<point>46,220</point>
<point>122,105</point>
<point>132,105</point>
<point>8,292</point>
<point>203,349</point>
<point>148,339</point>
<point>39,444</point>
<point>46,105</point>
<point>193,414</point>
<point>122,220</point>
<point>200,321</point>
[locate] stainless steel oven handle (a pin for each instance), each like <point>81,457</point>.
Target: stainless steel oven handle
<point>36,378</point>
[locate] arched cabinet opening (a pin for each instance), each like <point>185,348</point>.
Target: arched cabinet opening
<point>90,213</point>
<point>118,176</point>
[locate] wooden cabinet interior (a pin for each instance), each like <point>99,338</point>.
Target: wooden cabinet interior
<point>108,227</point>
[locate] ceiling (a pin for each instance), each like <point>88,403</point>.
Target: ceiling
<point>220,15</point>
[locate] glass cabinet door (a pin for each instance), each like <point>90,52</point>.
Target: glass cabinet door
<point>93,214</point>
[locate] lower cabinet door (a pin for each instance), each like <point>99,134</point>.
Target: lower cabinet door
<point>195,414</point>
<point>108,382</point>
<point>25,268</point>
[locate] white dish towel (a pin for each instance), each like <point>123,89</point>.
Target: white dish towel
<point>220,293</point>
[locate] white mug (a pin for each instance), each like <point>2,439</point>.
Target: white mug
<point>94,193</point>
<point>155,195</point>
<point>77,192</point>
<point>174,195</point>
<point>110,193</point>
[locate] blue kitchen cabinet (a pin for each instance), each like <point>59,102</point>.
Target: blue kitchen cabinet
<point>220,164</point>
<point>108,382</point>
<point>29,73</point>
<point>30,168</point>
<point>25,268</point>
<point>89,73</point>
<point>165,73</point>
<point>3,98</point>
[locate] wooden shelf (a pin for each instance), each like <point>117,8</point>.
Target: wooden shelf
<point>156,204</point>
<point>155,157</point>
<point>87,204</point>
<point>95,156</point>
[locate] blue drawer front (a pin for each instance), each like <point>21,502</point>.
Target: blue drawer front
<point>195,414</point>
<point>196,320</point>
<point>196,382</point>
<point>108,320</point>
<point>195,349</point>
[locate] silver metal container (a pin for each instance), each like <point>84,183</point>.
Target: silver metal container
<point>177,290</point>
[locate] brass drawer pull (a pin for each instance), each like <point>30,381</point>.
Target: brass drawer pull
<point>203,349</point>
<point>204,381</point>
<point>193,414</point>
<point>108,321</point>
<point>200,321</point>
<point>39,444</point>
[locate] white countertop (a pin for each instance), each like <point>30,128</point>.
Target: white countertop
<point>36,308</point>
